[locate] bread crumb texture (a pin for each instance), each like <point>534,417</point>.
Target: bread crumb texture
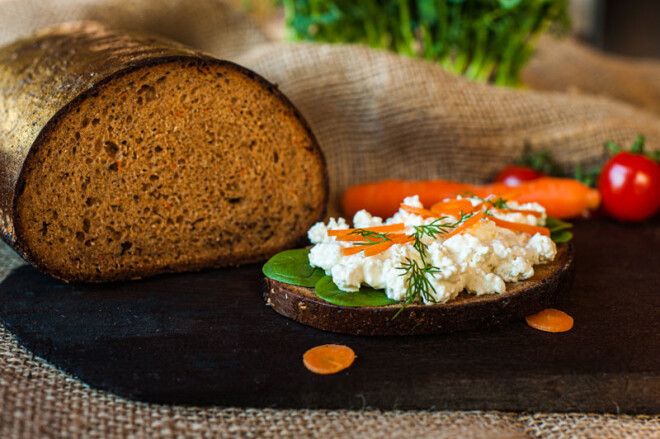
<point>172,167</point>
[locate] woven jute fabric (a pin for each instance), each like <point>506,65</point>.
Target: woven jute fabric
<point>569,66</point>
<point>376,115</point>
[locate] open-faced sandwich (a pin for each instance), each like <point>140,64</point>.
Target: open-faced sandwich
<point>466,262</point>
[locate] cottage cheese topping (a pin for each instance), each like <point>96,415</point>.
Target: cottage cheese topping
<point>479,260</point>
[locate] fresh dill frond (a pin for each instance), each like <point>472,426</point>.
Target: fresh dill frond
<point>371,237</point>
<point>433,230</point>
<point>418,285</point>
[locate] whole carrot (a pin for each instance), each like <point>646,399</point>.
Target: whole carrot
<point>561,197</point>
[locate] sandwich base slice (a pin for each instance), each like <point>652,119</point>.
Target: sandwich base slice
<point>545,289</point>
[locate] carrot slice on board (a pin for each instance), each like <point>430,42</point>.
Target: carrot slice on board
<point>519,227</point>
<point>418,211</point>
<point>452,207</point>
<point>329,358</point>
<point>398,227</point>
<point>550,320</point>
<point>465,225</point>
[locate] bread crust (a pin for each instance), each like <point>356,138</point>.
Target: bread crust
<point>549,286</point>
<point>80,58</point>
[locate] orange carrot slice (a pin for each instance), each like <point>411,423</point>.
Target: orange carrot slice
<point>523,211</point>
<point>418,211</point>
<point>348,251</point>
<point>401,238</point>
<point>328,359</point>
<point>373,250</point>
<point>452,207</point>
<point>351,238</point>
<point>359,238</point>
<point>466,224</point>
<point>550,320</point>
<point>519,227</point>
<point>398,227</point>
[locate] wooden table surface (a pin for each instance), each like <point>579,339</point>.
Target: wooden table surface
<point>208,338</point>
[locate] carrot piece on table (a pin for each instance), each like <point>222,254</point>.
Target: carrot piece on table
<point>418,211</point>
<point>550,320</point>
<point>328,359</point>
<point>519,227</point>
<point>466,224</point>
<point>398,227</point>
<point>373,250</point>
<point>452,207</point>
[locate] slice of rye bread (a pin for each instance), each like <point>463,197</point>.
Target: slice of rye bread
<point>124,155</point>
<point>549,286</point>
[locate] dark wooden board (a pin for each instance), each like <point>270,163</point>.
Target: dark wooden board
<point>208,338</point>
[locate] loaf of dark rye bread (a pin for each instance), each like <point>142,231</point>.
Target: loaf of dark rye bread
<point>548,287</point>
<point>125,155</point>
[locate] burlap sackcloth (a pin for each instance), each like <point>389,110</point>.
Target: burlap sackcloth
<point>376,115</point>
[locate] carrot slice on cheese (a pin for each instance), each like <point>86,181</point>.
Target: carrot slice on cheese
<point>372,250</point>
<point>465,225</point>
<point>398,227</point>
<point>452,207</point>
<point>348,251</point>
<point>519,227</point>
<point>418,211</point>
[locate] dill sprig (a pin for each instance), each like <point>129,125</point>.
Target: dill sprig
<point>371,237</point>
<point>433,230</point>
<point>418,285</point>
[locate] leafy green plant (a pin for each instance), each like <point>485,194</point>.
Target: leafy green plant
<point>485,40</point>
<point>292,267</point>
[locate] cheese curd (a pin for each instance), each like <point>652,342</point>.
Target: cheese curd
<point>479,260</point>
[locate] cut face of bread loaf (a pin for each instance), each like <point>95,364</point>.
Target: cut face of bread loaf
<point>148,158</point>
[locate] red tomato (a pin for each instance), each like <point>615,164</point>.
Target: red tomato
<point>513,175</point>
<point>630,186</point>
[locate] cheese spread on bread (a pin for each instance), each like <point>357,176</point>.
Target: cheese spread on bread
<point>479,259</point>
